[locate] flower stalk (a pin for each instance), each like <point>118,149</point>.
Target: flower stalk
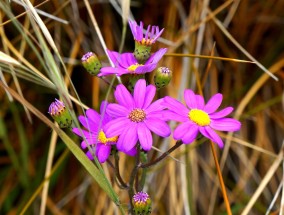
<point>223,188</point>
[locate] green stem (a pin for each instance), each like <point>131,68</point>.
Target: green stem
<point>132,178</point>
<point>144,158</point>
<point>123,185</point>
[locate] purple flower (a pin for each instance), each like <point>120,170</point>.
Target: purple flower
<point>56,107</point>
<point>151,35</point>
<point>126,63</point>
<point>94,136</point>
<point>200,117</point>
<point>135,117</point>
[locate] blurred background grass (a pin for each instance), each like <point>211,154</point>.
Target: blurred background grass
<point>185,187</point>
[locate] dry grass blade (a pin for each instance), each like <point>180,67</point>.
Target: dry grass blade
<point>8,59</point>
<point>264,182</point>
<point>208,57</point>
<point>41,24</point>
<point>125,6</point>
<point>236,43</point>
<point>22,14</point>
<point>50,158</point>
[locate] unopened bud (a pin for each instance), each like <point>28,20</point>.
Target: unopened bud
<point>162,77</point>
<point>142,203</point>
<point>91,63</point>
<point>60,114</point>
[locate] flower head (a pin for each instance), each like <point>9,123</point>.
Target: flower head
<point>126,63</point>
<point>151,35</point>
<point>135,117</point>
<point>142,203</point>
<point>94,136</point>
<point>60,114</point>
<point>200,117</point>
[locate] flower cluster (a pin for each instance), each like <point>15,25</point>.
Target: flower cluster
<point>128,125</point>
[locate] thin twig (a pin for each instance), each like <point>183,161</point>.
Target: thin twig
<point>228,207</point>
<point>147,165</point>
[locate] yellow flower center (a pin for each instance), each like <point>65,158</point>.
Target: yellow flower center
<point>200,117</point>
<point>137,115</point>
<point>133,67</point>
<point>102,138</point>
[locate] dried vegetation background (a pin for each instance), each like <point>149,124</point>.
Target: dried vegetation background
<point>252,158</point>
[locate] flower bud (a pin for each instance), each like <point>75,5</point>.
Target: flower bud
<point>142,203</point>
<point>162,77</point>
<point>60,114</point>
<point>91,63</point>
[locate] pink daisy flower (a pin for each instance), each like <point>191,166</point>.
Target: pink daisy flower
<point>151,35</point>
<point>135,117</point>
<point>95,136</point>
<point>199,117</point>
<point>126,63</point>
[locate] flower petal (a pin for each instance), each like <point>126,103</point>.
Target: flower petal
<point>93,115</point>
<point>213,103</point>
<point>222,113</point>
<point>116,110</point>
<point>89,124</point>
<point>127,59</point>
<point>114,56</point>
<point>156,57</point>
<point>145,68</point>
<point>155,106</point>
<point>103,152</point>
<point>145,136</point>
<point>199,102</point>
<point>89,155</point>
<point>225,124</point>
<point>131,152</point>
<point>128,139</point>
<point>123,97</point>
<point>212,135</point>
<point>149,95</point>
<point>116,127</point>
<point>139,93</point>
<point>158,126</point>
<point>170,115</point>
<point>84,133</point>
<point>112,71</point>
<point>190,135</point>
<point>190,99</point>
<point>132,25</point>
<point>175,106</point>
<point>181,130</point>
<point>88,142</point>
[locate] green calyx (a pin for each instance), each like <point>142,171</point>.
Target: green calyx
<point>63,118</point>
<point>142,208</point>
<point>162,77</point>
<point>129,80</point>
<point>91,63</point>
<point>142,52</point>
